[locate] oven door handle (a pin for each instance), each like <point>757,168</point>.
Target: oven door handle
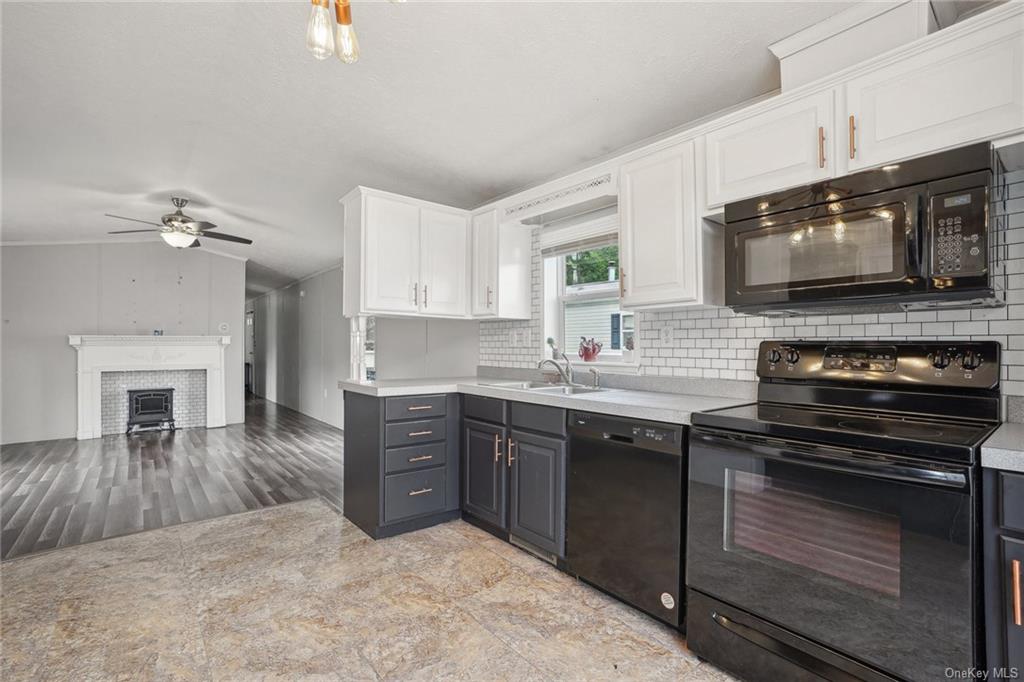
<point>843,461</point>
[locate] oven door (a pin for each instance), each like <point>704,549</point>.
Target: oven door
<point>869,555</point>
<point>861,248</point>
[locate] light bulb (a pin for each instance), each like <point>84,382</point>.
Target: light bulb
<point>319,40</point>
<point>346,44</point>
<point>179,240</point>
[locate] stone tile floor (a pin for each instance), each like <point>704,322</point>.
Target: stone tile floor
<point>298,592</point>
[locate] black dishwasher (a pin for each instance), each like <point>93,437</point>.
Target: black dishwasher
<point>625,498</point>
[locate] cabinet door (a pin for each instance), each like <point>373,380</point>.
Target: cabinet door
<point>537,490</point>
<point>959,92</point>
<point>484,487</point>
<point>1013,591</point>
<point>658,228</point>
<point>783,147</point>
<point>485,263</point>
<point>445,263</point>
<point>391,271</point>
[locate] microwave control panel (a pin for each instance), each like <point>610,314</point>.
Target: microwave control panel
<point>959,231</point>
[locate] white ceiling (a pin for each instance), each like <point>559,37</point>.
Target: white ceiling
<point>114,107</point>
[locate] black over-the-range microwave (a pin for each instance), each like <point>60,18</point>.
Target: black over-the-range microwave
<point>913,235</point>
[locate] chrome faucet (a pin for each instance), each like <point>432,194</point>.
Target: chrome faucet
<point>567,373</point>
<point>597,377</point>
<point>561,370</point>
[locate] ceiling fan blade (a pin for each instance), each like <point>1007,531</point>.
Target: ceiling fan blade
<point>131,231</point>
<point>121,217</point>
<point>199,226</point>
<point>194,245</point>
<point>227,237</point>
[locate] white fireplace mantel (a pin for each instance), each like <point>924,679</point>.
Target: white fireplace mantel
<point>98,354</point>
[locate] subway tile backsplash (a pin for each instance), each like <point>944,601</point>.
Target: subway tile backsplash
<point>716,343</point>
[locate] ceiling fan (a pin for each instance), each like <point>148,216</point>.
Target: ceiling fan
<point>180,230</point>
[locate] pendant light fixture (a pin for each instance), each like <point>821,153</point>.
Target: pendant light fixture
<point>323,40</point>
<point>319,37</point>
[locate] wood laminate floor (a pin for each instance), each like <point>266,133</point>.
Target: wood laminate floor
<point>67,492</point>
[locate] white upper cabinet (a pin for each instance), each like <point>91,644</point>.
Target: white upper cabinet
<point>444,264</point>
<point>404,257</point>
<point>783,146</point>
<point>502,274</point>
<point>392,255</point>
<point>961,90</point>
<point>658,235</point>
<point>485,263</point>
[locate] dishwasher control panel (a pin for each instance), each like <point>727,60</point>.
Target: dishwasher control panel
<point>625,429</point>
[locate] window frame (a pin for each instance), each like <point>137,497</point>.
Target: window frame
<point>556,293</point>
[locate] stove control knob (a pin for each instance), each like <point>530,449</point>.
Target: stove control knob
<point>971,359</point>
<point>792,356</point>
<point>941,360</point>
<point>774,355</point>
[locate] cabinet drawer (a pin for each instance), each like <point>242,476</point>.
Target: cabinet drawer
<point>413,433</point>
<point>1011,501</point>
<point>413,457</point>
<point>414,407</point>
<point>492,410</point>
<point>413,494</point>
<point>539,418</point>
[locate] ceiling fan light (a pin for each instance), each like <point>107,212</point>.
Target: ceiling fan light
<point>179,240</point>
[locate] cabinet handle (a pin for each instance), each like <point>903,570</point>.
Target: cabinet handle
<point>419,433</point>
<point>417,408</point>
<point>853,144</point>
<point>821,146</point>
<point>1016,593</point>
<point>488,297</point>
<point>622,283</point>
<point>424,295</point>
<point>497,448</point>
<point>416,294</point>
<point>421,458</point>
<point>421,491</point>
<point>511,444</point>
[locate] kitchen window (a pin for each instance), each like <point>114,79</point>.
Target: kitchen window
<point>581,291</point>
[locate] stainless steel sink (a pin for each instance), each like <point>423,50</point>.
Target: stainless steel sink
<point>521,385</point>
<point>544,387</point>
<point>568,390</point>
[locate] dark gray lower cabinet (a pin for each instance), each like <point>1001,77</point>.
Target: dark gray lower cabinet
<point>1003,515</point>
<point>514,462</point>
<point>537,490</point>
<point>484,480</point>
<point>401,462</point>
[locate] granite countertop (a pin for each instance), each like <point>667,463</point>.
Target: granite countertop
<point>1004,449</point>
<point>673,408</point>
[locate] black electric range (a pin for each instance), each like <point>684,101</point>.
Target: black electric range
<point>833,524</point>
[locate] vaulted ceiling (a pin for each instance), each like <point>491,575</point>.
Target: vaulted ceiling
<point>116,106</point>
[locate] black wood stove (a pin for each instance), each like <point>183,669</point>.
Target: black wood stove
<point>150,409</point>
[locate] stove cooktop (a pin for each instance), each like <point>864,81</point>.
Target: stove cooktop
<point>916,436</point>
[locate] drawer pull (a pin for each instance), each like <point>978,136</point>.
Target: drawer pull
<point>417,408</point>
<point>1017,620</point>
<point>421,458</point>
<point>419,433</point>
<point>421,491</point>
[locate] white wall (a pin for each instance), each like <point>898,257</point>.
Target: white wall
<point>416,349</point>
<point>49,292</point>
<point>301,346</point>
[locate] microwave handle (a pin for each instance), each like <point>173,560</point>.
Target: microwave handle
<point>843,461</point>
<point>918,234</point>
